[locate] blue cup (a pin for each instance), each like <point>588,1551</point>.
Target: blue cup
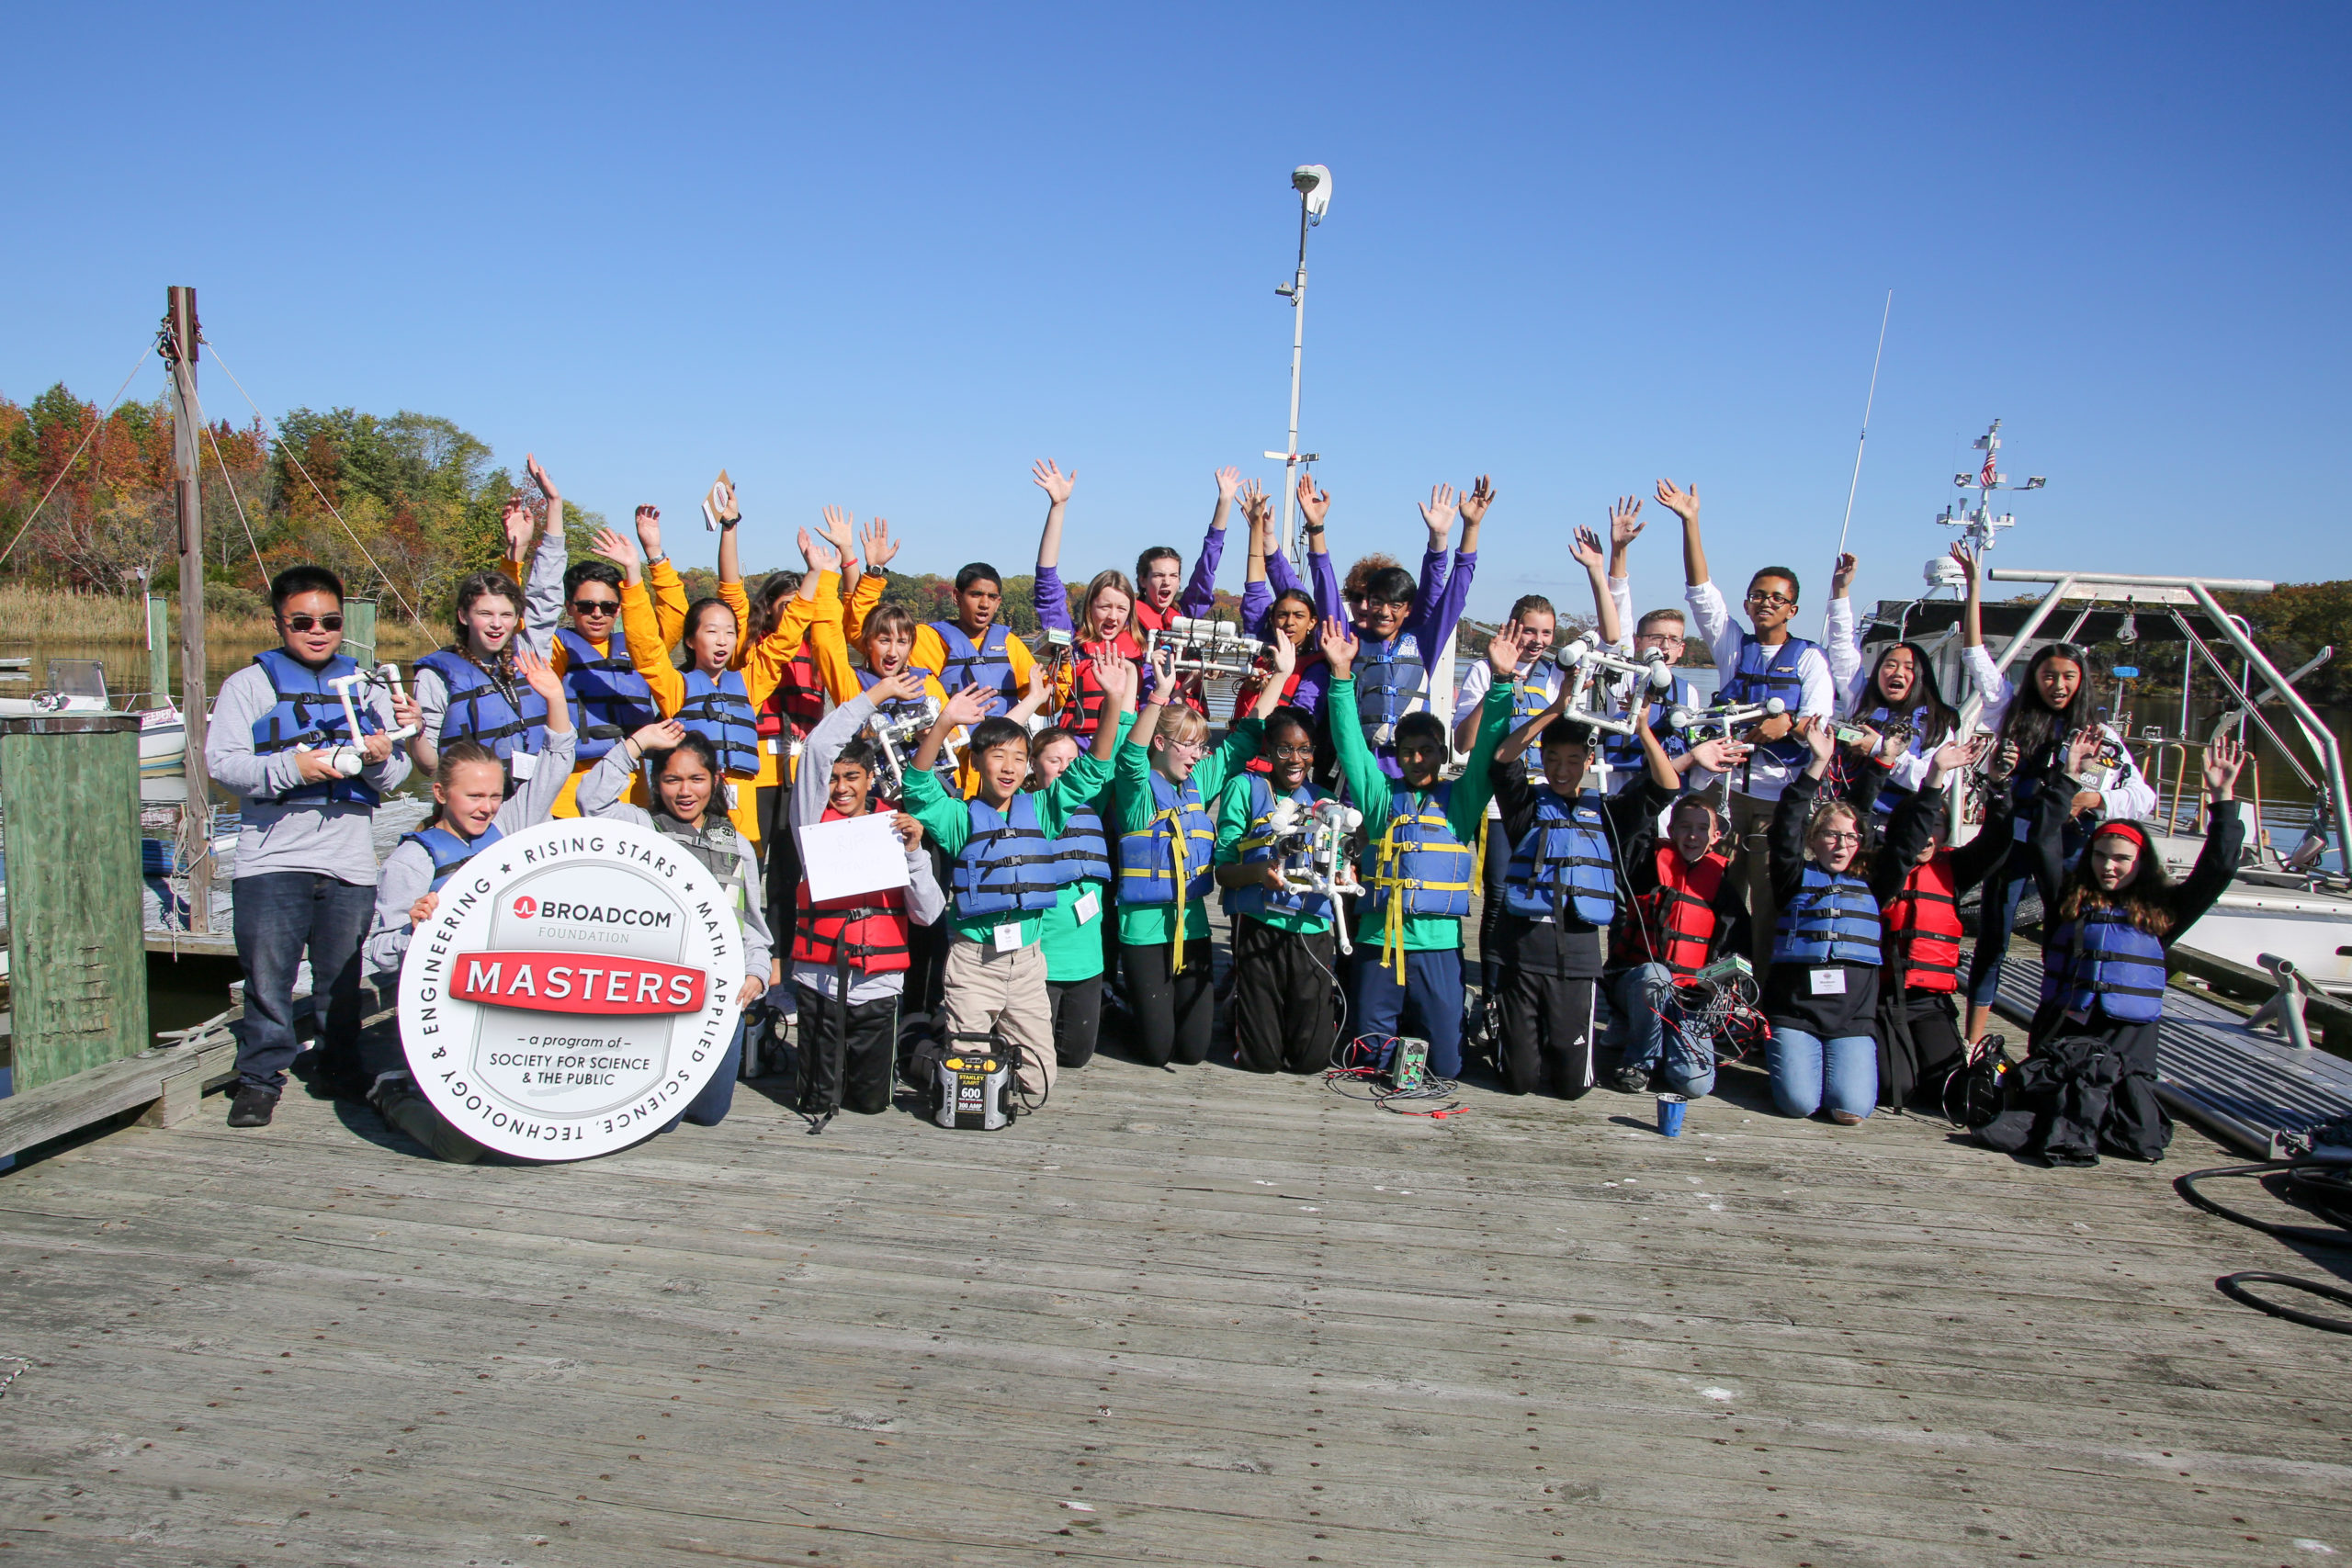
<point>1671,1108</point>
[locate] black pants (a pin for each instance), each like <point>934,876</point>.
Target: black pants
<point>1547,1033</point>
<point>1285,1013</point>
<point>1173,1012</point>
<point>1918,1045</point>
<point>1077,1007</point>
<point>927,951</point>
<point>1490,911</point>
<point>779,865</point>
<point>845,1062</point>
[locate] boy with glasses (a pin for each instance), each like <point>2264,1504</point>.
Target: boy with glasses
<point>1659,631</point>
<point>306,858</point>
<point>609,699</point>
<point>1756,665</point>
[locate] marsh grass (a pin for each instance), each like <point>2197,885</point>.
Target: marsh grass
<point>60,616</point>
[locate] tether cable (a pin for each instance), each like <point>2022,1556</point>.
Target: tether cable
<point>2323,1187</point>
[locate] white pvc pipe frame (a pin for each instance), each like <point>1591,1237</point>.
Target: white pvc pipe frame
<point>2201,589</point>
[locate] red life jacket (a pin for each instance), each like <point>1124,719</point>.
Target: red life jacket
<point>1673,923</point>
<point>870,927</point>
<point>1922,924</point>
<point>1082,714</point>
<point>793,709</point>
<point>1150,620</point>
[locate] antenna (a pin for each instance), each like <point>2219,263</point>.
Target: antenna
<point>1869,403</point>
<point>1313,183</point>
<point>1977,525</point>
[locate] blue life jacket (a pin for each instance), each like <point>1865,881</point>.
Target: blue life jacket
<point>1082,851</point>
<point>1762,674</point>
<point>610,701</point>
<point>1832,919</point>
<point>1180,824</point>
<point>718,709</point>
<point>1257,848</point>
<point>1007,864</point>
<point>985,662</point>
<point>506,719</point>
<point>1391,681</point>
<point>308,712</point>
<point>1624,753</point>
<point>2119,967</point>
<point>1563,862</point>
<point>1419,857</point>
<point>449,851</point>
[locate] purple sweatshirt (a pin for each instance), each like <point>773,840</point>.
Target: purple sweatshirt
<point>1051,595</point>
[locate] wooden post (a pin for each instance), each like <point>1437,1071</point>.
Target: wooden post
<point>359,631</point>
<point>159,648</point>
<point>181,338</point>
<point>78,959</point>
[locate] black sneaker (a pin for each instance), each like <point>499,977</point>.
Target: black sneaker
<point>251,1107</point>
<point>1630,1080</point>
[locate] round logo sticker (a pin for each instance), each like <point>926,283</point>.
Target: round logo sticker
<point>574,990</point>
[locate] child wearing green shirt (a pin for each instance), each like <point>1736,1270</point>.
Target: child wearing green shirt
<point>1419,863</point>
<point>1004,875</point>
<point>1165,775</point>
<point>1284,956</point>
<point>1074,926</point>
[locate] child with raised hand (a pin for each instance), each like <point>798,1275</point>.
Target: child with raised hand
<point>2036,720</point>
<point>683,808</point>
<point>1272,600</point>
<point>1568,851</point>
<point>1418,865</point>
<point>471,689</point>
<point>1004,872</point>
<point>850,955</point>
<point>1167,775</point>
<point>1659,631</point>
<point>1893,699</point>
<point>472,811</point>
<point>1284,956</point>
<point>1757,666</point>
<point>2110,918</point>
<point>1821,998</point>
<point>1919,879</point>
<point>1073,929</point>
<point>1400,627</point>
<point>1105,628</point>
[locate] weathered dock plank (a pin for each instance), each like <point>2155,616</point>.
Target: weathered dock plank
<point>1775,1343</point>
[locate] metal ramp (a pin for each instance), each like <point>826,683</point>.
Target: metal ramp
<point>2243,1085</point>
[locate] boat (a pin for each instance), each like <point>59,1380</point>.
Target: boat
<point>79,685</point>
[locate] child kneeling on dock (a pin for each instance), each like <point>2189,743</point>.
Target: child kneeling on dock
<point>306,856</point>
<point>687,810</point>
<point>1005,873</point>
<point>850,954</point>
<point>470,812</point>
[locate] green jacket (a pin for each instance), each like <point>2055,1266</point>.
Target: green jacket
<point>1147,925</point>
<point>949,822</point>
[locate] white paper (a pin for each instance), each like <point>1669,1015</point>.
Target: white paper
<point>1829,982</point>
<point>853,854</point>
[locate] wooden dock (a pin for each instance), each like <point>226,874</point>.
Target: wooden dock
<point>1179,1317</point>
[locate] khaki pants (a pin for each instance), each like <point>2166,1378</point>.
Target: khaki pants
<point>988,990</point>
<point>1751,822</point>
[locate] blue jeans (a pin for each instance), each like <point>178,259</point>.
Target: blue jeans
<point>1427,1006</point>
<point>1684,1054</point>
<point>710,1107</point>
<point>1810,1073</point>
<point>280,915</point>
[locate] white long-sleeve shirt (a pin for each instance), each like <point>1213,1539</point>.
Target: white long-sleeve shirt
<point>1762,776</point>
<point>2128,795</point>
<point>330,837</point>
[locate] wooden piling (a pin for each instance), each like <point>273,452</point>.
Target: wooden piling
<point>77,965</point>
<point>159,648</point>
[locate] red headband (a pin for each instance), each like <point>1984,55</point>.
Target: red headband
<point>2131,830</point>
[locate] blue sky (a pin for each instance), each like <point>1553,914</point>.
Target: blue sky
<point>885,256</point>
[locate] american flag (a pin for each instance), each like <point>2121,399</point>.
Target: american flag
<point>1987,476</point>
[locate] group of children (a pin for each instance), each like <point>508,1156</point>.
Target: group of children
<point>1066,814</point>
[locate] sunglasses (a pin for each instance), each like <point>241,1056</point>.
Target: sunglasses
<point>595,606</point>
<point>315,622</point>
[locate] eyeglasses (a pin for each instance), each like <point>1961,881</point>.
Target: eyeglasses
<point>315,622</point>
<point>1769,599</point>
<point>1295,752</point>
<point>1675,637</point>
<point>595,606</point>
<point>1834,836</point>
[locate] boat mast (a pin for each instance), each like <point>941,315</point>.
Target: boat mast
<point>1313,183</point>
<point>179,346</point>
<point>1976,524</point>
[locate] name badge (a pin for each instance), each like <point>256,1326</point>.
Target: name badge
<point>522,764</point>
<point>1008,937</point>
<point>1089,904</point>
<point>1829,982</point>
<point>772,746</point>
<point>730,794</point>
